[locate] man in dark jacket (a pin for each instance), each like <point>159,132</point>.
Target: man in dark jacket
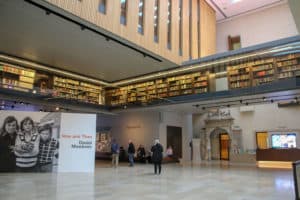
<point>157,156</point>
<point>131,152</point>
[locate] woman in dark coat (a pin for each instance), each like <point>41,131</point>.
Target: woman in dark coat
<point>157,155</point>
<point>8,135</point>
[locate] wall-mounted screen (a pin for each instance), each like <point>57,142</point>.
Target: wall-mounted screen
<point>284,140</point>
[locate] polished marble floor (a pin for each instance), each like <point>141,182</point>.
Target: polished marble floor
<point>207,181</point>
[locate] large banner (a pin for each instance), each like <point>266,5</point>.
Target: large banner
<point>78,134</point>
<point>47,142</point>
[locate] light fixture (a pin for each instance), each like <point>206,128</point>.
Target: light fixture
<point>235,1</point>
<point>57,108</point>
<point>34,91</point>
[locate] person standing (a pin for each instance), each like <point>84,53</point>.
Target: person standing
<point>157,156</point>
<point>115,153</point>
<point>131,152</point>
<point>8,135</point>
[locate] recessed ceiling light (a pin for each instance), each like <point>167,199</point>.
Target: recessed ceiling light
<point>235,1</point>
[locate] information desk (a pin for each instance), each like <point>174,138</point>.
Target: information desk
<point>277,158</point>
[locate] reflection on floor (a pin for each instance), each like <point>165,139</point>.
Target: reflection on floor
<point>208,181</point>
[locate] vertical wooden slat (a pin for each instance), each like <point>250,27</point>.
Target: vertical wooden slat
<point>148,39</point>
<point>175,29</point>
<point>194,29</point>
<point>208,29</point>
<point>185,31</point>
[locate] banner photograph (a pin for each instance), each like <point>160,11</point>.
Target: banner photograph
<point>29,141</point>
<point>47,142</point>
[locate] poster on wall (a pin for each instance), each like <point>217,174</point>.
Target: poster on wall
<point>29,141</point>
<point>47,142</point>
<point>77,137</point>
<point>103,142</point>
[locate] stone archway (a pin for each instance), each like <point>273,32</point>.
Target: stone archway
<point>215,142</point>
<point>216,123</point>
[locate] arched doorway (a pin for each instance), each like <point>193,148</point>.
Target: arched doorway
<point>220,143</point>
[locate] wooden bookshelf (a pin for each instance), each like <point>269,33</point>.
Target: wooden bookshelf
<point>145,92</point>
<point>239,76</point>
<point>288,65</point>
<point>77,90</point>
<point>199,82</point>
<point>263,71</point>
<point>17,78</point>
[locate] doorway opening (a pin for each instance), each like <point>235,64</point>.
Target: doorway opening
<point>174,139</point>
<point>224,146</point>
<point>220,143</point>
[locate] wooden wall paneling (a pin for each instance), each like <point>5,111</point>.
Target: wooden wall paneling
<point>148,39</point>
<point>66,5</point>
<point>93,8</point>
<point>131,30</point>
<point>194,30</point>
<point>116,12</point>
<point>213,29</point>
<point>208,29</point>
<point>185,30</point>
<point>85,12</point>
<point>200,30</point>
<point>108,18</point>
<point>88,10</point>
<point>175,31</point>
<point>162,40</point>
<point>101,18</point>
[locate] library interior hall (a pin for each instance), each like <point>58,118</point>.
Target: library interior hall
<point>152,99</point>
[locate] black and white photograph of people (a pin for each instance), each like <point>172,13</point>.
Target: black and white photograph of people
<point>8,135</point>
<point>26,146</point>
